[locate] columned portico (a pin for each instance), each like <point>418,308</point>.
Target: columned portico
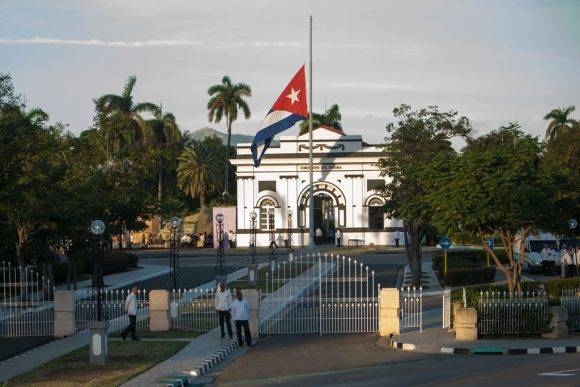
<point>346,176</point>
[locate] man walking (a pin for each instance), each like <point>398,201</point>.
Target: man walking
<point>131,309</point>
<point>397,238</point>
<point>223,306</point>
<point>240,312</point>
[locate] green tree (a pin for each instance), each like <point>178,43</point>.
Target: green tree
<point>413,143</point>
<point>225,101</point>
<point>121,119</point>
<point>164,139</point>
<point>330,118</point>
<point>560,122</point>
<point>495,186</point>
<point>197,170</point>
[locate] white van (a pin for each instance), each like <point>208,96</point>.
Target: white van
<point>534,245</point>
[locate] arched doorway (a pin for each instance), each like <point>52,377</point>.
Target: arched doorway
<point>324,217</point>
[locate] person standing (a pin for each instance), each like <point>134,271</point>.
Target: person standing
<point>223,306</point>
<point>318,234</point>
<point>564,259</point>
<point>338,237</point>
<point>240,312</point>
<point>131,310</point>
<point>233,239</point>
<point>397,238</point>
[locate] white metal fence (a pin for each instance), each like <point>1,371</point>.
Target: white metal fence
<point>113,306</point>
<point>193,310</point>
<point>570,299</point>
<point>411,300</point>
<point>446,309</point>
<point>26,306</point>
<point>316,293</point>
<point>498,313</point>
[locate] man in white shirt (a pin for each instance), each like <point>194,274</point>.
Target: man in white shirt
<point>338,236</point>
<point>223,305</point>
<point>397,238</point>
<point>565,260</point>
<point>318,234</point>
<point>131,309</point>
<point>240,313</point>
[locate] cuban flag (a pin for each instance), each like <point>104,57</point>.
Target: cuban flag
<point>289,108</point>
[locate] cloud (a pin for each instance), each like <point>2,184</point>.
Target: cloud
<point>174,43</point>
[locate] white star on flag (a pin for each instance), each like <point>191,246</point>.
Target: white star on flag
<point>293,96</point>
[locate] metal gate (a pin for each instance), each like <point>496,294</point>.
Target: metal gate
<point>411,305</point>
<point>26,307</point>
<point>316,293</point>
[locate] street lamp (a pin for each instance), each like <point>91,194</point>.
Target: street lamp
<point>98,329</point>
<point>290,213</point>
<point>220,276</point>
<point>572,224</point>
<point>174,223</point>
<point>272,250</point>
<point>252,266</point>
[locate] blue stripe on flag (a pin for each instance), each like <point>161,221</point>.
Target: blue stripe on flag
<point>266,135</point>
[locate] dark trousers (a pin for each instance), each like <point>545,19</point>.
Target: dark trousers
<point>338,242</point>
<point>246,325</point>
<point>225,316</point>
<point>131,327</point>
<point>397,242</point>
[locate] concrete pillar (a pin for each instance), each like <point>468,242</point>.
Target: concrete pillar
<point>558,323</point>
<point>454,307</point>
<point>64,313</point>
<point>466,324</point>
<point>159,310</point>
<point>98,346</point>
<point>389,323</point>
<point>252,296</point>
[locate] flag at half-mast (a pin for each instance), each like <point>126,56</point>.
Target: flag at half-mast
<point>289,108</point>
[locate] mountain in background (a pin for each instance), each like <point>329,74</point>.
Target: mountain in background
<point>202,133</point>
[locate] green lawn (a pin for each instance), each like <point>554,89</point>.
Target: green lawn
<point>160,335</point>
<point>127,359</point>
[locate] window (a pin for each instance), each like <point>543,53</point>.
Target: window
<point>373,184</point>
<point>376,215</point>
<point>266,186</point>
<point>267,214</point>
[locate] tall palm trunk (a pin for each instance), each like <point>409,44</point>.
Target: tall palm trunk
<point>159,179</point>
<point>227,174</point>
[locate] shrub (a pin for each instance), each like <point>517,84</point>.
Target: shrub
<point>469,276</point>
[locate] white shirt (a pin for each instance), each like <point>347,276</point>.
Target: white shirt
<point>546,254</point>
<point>223,300</point>
<point>233,236</point>
<point>565,257</point>
<point>338,234</point>
<point>131,304</point>
<point>397,234</point>
<point>240,310</point>
<point>318,232</point>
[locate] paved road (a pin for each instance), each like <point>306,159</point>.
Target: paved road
<point>353,360</point>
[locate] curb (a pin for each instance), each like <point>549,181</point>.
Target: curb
<point>403,346</point>
<point>214,359</point>
<point>509,351</point>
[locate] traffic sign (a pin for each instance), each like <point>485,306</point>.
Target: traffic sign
<point>490,243</point>
<point>445,243</point>
<point>573,223</point>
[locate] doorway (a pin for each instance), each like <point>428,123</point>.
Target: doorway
<point>324,218</point>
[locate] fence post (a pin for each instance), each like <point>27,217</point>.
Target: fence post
<point>252,296</point>
<point>159,310</point>
<point>64,313</point>
<point>465,324</point>
<point>389,322</point>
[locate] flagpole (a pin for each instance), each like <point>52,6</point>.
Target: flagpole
<point>311,187</point>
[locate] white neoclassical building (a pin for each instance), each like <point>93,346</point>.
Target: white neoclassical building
<point>345,177</point>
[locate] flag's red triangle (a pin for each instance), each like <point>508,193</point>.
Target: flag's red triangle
<point>293,98</point>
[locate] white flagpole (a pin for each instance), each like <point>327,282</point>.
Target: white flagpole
<point>311,188</point>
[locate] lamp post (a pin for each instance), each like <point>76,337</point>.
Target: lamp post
<point>98,329</point>
<point>290,213</point>
<point>253,265</point>
<point>273,250</point>
<point>174,223</point>
<point>220,276</point>
<point>572,224</point>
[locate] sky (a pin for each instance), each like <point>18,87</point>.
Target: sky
<point>495,62</point>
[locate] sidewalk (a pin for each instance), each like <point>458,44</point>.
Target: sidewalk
<point>433,339</point>
<point>22,363</point>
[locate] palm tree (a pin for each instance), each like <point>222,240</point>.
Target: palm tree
<point>560,123</point>
<point>164,137</point>
<point>330,118</point>
<point>121,111</point>
<point>225,100</point>
<point>196,171</point>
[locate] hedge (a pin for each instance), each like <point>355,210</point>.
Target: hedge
<point>465,259</point>
<point>468,276</point>
<point>113,262</point>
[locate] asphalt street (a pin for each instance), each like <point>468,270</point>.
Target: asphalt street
<point>353,360</point>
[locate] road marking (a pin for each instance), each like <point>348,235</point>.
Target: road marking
<point>560,373</point>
